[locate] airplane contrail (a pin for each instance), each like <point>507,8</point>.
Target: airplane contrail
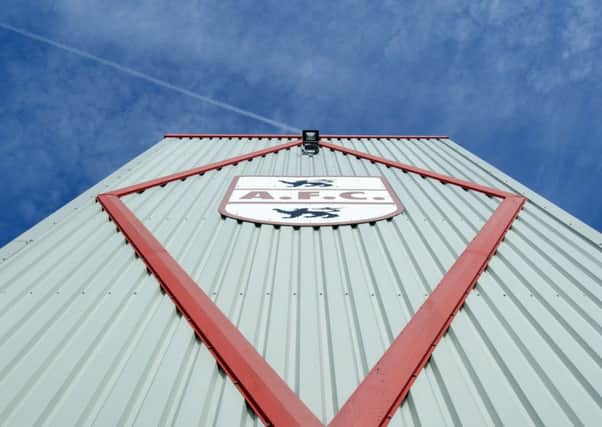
<point>149,78</point>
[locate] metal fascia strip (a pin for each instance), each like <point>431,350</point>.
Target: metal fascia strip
<point>245,136</point>
<point>388,383</point>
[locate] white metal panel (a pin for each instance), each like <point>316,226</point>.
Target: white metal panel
<point>342,295</point>
<point>536,312</point>
<point>87,338</point>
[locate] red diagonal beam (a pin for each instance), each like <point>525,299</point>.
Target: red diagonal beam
<point>467,185</point>
<point>136,188</point>
<point>269,396</point>
<point>379,395</point>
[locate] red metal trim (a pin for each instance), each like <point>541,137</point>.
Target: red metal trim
<point>269,396</point>
<point>230,136</point>
<point>467,185</point>
<point>233,136</point>
<point>136,188</point>
<point>385,136</point>
<point>381,392</point>
<point>389,381</point>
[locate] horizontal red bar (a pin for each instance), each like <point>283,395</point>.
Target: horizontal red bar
<point>386,136</point>
<point>224,135</point>
<point>221,135</point>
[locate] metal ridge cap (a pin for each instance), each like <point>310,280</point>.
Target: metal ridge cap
<point>228,135</point>
<point>234,136</point>
<point>387,136</point>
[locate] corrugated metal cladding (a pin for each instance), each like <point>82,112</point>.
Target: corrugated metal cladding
<point>86,337</point>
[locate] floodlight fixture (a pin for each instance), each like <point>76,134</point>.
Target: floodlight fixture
<point>311,142</point>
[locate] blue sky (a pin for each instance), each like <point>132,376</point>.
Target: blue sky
<point>517,83</point>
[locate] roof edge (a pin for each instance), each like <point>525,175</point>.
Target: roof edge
<point>570,221</point>
<point>225,135</point>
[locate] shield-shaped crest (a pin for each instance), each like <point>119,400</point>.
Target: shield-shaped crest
<point>310,200</point>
